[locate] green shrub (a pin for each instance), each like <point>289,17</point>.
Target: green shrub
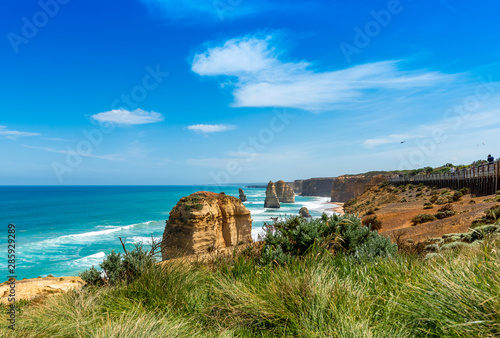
<point>457,196</point>
<point>403,200</point>
<point>120,268</point>
<point>465,191</point>
<point>440,201</point>
<point>373,222</point>
<point>91,277</point>
<point>447,207</point>
<point>422,218</point>
<point>296,236</point>
<point>444,214</point>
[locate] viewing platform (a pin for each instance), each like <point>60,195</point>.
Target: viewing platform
<point>481,180</point>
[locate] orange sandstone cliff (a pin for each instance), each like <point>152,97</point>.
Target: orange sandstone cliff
<point>203,222</point>
<point>347,187</point>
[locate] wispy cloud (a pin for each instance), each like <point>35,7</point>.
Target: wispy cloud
<point>263,80</point>
<point>481,121</point>
<point>13,134</point>
<point>196,10</point>
<point>126,117</point>
<point>111,157</point>
<point>210,128</point>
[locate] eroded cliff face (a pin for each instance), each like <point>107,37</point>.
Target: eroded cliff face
<point>284,192</point>
<point>347,187</point>
<point>271,200</point>
<point>317,186</point>
<point>205,221</point>
<point>296,186</point>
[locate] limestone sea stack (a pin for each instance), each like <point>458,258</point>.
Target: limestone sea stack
<point>304,212</point>
<point>284,192</point>
<point>243,197</point>
<point>271,200</point>
<point>203,222</point>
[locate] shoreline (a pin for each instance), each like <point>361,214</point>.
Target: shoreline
<point>339,209</point>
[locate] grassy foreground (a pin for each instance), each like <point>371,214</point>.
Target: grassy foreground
<point>319,294</point>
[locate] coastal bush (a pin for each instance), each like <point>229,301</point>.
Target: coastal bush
<point>120,268</point>
<point>372,222</point>
<point>296,236</point>
<point>447,207</point>
<point>441,201</point>
<point>433,199</point>
<point>403,200</point>
<point>445,214</point>
<point>457,196</point>
<point>422,218</point>
<point>465,191</point>
<point>92,277</point>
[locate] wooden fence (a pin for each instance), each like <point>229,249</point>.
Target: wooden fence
<point>482,180</point>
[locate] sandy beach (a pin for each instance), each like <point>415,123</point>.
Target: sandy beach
<point>339,207</point>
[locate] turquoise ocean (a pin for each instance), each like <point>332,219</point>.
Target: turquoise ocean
<point>63,230</point>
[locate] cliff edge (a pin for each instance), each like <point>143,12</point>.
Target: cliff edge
<point>347,187</point>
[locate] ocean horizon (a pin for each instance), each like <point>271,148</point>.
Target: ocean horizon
<point>63,230</point>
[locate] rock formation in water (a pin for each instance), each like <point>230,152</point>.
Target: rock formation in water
<point>351,186</point>
<point>243,197</point>
<point>203,222</point>
<point>317,187</point>
<point>271,200</point>
<point>304,212</point>
<point>284,192</point>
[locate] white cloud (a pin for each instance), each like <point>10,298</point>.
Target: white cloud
<point>122,116</point>
<point>210,128</point>
<point>263,80</point>
<point>12,134</point>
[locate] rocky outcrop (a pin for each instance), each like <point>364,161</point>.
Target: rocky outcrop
<point>203,222</point>
<point>347,187</point>
<point>284,192</point>
<point>243,197</point>
<point>271,200</point>
<point>296,186</point>
<point>317,187</point>
<point>304,212</point>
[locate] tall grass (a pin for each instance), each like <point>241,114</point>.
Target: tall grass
<point>321,294</point>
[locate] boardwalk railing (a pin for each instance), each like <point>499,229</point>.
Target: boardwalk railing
<point>482,180</point>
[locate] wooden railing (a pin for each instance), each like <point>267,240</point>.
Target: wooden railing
<point>484,179</point>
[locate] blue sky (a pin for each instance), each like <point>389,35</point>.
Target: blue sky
<point>228,91</point>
